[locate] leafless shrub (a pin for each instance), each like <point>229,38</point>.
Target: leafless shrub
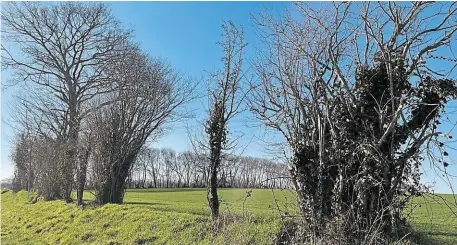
<point>348,87</point>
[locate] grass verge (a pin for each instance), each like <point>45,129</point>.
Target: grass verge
<point>181,216</point>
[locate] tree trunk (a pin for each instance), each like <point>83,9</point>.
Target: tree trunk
<point>154,177</point>
<point>215,160</point>
<point>112,192</point>
<point>82,173</point>
<point>70,161</point>
<point>213,199</point>
<point>113,189</point>
<point>67,176</point>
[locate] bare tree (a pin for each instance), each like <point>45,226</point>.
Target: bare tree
<point>153,165</point>
<point>63,48</point>
<point>144,161</point>
<point>147,165</point>
<point>84,152</point>
<point>182,170</point>
<point>169,159</point>
<point>148,97</point>
<point>225,99</point>
<point>34,127</point>
<point>189,161</point>
<point>349,89</point>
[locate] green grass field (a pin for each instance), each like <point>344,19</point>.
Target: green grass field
<point>435,218</point>
<point>179,216</point>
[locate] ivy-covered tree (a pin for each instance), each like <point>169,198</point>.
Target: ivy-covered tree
<point>225,102</point>
<point>358,106</point>
<point>23,171</point>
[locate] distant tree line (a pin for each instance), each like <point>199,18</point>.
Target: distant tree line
<point>153,168</point>
<point>165,168</point>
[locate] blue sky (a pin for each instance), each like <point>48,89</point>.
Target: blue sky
<point>184,33</point>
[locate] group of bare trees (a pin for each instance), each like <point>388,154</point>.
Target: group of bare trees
<point>164,168</point>
<point>357,90</point>
<point>94,97</point>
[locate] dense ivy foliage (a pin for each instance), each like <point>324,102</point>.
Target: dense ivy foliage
<point>359,164</point>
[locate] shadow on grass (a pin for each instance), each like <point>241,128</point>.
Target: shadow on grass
<point>163,190</point>
<point>163,207</point>
<point>145,203</point>
<point>426,239</point>
<point>439,233</point>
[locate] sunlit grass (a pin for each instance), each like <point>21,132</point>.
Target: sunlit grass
<point>181,216</point>
<point>435,217</point>
<point>163,216</point>
<point>260,202</point>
